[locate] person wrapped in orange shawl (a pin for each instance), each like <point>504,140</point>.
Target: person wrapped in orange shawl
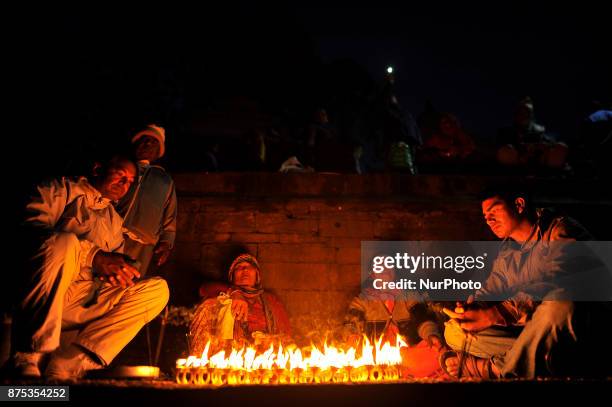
<point>241,312</point>
<point>384,314</point>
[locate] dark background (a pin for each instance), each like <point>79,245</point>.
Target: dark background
<point>90,75</point>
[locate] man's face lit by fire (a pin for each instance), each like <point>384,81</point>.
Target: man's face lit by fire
<point>245,275</point>
<point>119,177</point>
<point>502,218</point>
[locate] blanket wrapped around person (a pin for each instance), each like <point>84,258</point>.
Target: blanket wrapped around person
<point>239,313</point>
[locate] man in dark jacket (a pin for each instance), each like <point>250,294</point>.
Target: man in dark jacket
<point>149,208</point>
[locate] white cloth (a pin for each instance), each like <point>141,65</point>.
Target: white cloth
<point>225,325</point>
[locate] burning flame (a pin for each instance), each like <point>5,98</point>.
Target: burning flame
<point>375,362</point>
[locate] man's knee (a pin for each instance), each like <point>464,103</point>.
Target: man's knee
<point>554,313</point>
<point>161,287</point>
<point>157,292</point>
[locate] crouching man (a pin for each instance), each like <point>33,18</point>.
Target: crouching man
<point>78,279</point>
<point>530,318</point>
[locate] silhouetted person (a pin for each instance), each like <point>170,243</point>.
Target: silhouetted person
<point>447,144</point>
<point>526,144</point>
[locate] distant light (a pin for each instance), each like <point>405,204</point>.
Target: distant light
<point>389,69</point>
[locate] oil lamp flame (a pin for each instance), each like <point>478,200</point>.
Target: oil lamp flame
<point>375,362</point>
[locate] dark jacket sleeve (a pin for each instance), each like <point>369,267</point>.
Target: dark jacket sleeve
<point>168,226</point>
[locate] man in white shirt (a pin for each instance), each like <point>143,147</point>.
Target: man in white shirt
<point>80,278</point>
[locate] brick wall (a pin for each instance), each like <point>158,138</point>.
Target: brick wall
<point>306,230</point>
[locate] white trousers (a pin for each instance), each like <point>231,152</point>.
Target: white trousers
<point>60,288</point>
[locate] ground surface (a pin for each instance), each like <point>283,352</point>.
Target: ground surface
<point>521,392</point>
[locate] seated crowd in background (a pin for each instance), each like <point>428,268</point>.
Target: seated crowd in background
<point>387,139</point>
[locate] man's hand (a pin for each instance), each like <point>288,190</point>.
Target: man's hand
<point>476,320</point>
<point>112,267</point>
<point>162,251</point>
<point>240,308</point>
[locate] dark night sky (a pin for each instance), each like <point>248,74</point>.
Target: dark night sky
<point>475,61</point>
<point>83,73</point>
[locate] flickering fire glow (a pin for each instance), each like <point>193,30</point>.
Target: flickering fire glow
<point>376,362</point>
